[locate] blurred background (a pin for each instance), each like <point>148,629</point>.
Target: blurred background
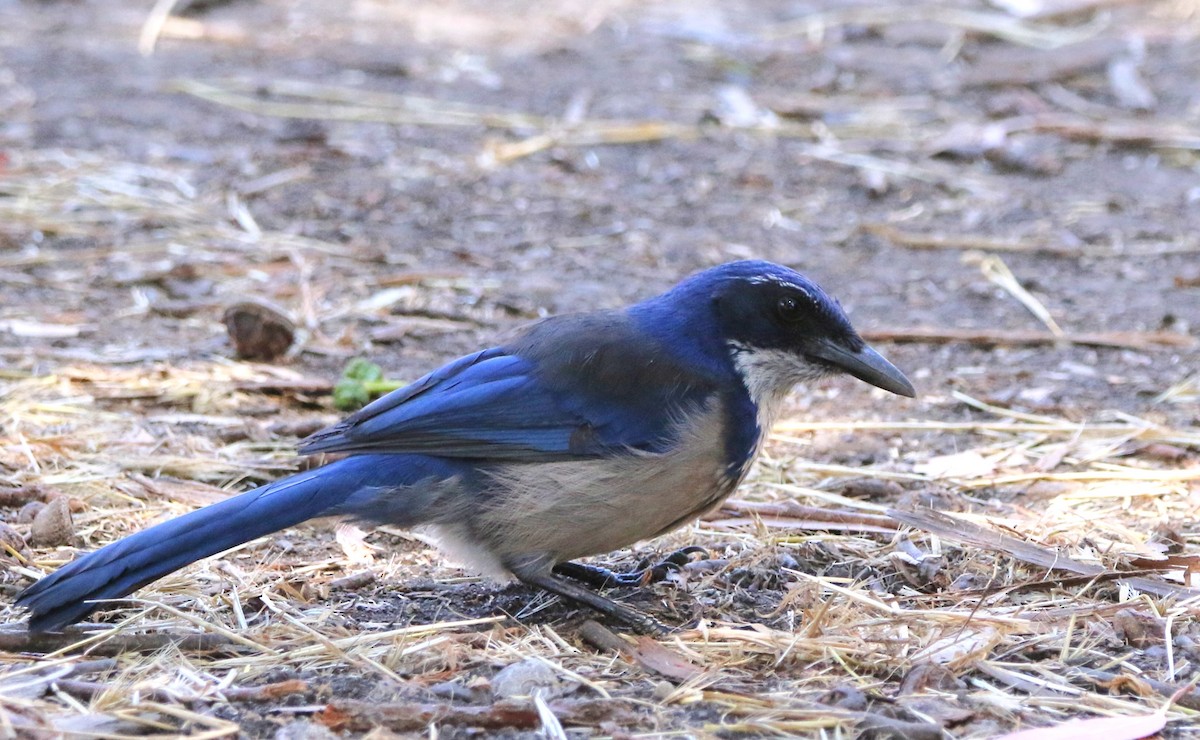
<point>404,177</point>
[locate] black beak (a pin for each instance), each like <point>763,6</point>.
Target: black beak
<point>865,364</point>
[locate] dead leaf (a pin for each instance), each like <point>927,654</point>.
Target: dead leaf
<point>961,530</point>
<point>958,644</point>
<point>353,542</point>
<point>654,657</point>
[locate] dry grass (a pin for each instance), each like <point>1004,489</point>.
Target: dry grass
<point>1044,570</point>
<point>797,629</point>
<point>982,631</point>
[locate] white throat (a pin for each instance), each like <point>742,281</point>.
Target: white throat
<point>769,375</point>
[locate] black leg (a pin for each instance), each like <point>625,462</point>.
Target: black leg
<point>599,577</point>
<point>537,576</point>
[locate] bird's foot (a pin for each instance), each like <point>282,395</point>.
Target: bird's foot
<point>640,622</point>
<point>672,563</point>
<point>600,577</point>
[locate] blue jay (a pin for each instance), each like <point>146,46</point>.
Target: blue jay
<point>584,434</point>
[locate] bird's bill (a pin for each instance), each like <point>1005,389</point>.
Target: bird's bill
<point>865,364</point>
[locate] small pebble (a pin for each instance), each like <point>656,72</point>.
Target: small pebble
<point>258,330</point>
<point>871,489</point>
<point>52,526</point>
<point>354,581</point>
<point>11,539</point>
<point>452,690</point>
<point>924,676</point>
<point>523,678</point>
<point>304,730</point>
<point>29,511</point>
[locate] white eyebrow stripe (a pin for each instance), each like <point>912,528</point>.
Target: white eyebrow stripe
<point>772,280</point>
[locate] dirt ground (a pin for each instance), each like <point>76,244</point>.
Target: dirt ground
<point>1005,197</point>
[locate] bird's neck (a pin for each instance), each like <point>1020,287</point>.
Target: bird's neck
<point>768,376</point>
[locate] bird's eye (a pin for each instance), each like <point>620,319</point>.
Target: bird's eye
<point>789,309</point>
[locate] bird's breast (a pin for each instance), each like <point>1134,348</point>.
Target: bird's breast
<point>572,509</point>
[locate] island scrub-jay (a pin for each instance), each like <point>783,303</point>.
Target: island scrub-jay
<point>585,434</point>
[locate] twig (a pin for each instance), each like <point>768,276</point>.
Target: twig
<point>302,100</point>
<point>153,26</point>
<point>800,516</point>
<point>1029,68</point>
<point>285,99</point>
<point>1136,340</point>
<point>214,727</point>
<point>1025,682</point>
<point>920,240</point>
<point>85,667</point>
<point>876,724</point>
<point>1051,580</point>
<point>586,133</point>
<point>1188,699</point>
<point>1129,132</point>
<point>286,385</point>
<point>993,24</point>
<point>15,498</point>
<point>599,636</point>
<point>997,272</point>
<point>954,180</point>
<point>935,240</point>
<point>358,716</point>
<point>944,525</point>
<point>22,641</point>
<point>646,653</point>
<point>268,692</point>
<point>353,581</point>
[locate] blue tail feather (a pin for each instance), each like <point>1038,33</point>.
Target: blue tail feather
<point>118,569</point>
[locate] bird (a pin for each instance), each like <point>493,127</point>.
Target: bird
<point>582,434</point>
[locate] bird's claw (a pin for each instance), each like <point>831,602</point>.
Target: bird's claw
<point>672,563</point>
<point>645,574</point>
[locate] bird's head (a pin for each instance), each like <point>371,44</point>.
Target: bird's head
<point>778,327</point>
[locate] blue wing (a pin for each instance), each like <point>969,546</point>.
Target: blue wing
<point>571,387</point>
